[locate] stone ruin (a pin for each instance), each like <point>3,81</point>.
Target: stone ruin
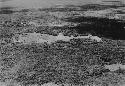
<point>27,38</point>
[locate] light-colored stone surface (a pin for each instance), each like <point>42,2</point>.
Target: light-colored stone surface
<point>27,38</point>
<point>115,67</point>
<point>96,38</point>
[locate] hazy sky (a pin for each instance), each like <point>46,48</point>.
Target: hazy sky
<point>45,3</point>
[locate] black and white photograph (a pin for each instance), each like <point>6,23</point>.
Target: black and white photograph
<point>62,42</point>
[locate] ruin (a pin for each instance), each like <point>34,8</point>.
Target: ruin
<point>27,38</point>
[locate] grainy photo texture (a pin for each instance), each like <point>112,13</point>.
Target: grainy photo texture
<point>62,42</point>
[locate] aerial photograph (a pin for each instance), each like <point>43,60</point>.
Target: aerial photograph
<point>62,42</point>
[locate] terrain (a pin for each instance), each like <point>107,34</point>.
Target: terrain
<point>79,62</point>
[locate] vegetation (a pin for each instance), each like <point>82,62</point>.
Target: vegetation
<point>61,62</point>
<point>78,62</point>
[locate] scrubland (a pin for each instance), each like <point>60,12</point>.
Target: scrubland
<point>79,62</point>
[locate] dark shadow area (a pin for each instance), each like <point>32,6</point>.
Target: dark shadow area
<point>109,28</point>
<point>5,0</point>
<point>7,10</point>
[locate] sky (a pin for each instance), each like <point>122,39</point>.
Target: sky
<point>44,3</point>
